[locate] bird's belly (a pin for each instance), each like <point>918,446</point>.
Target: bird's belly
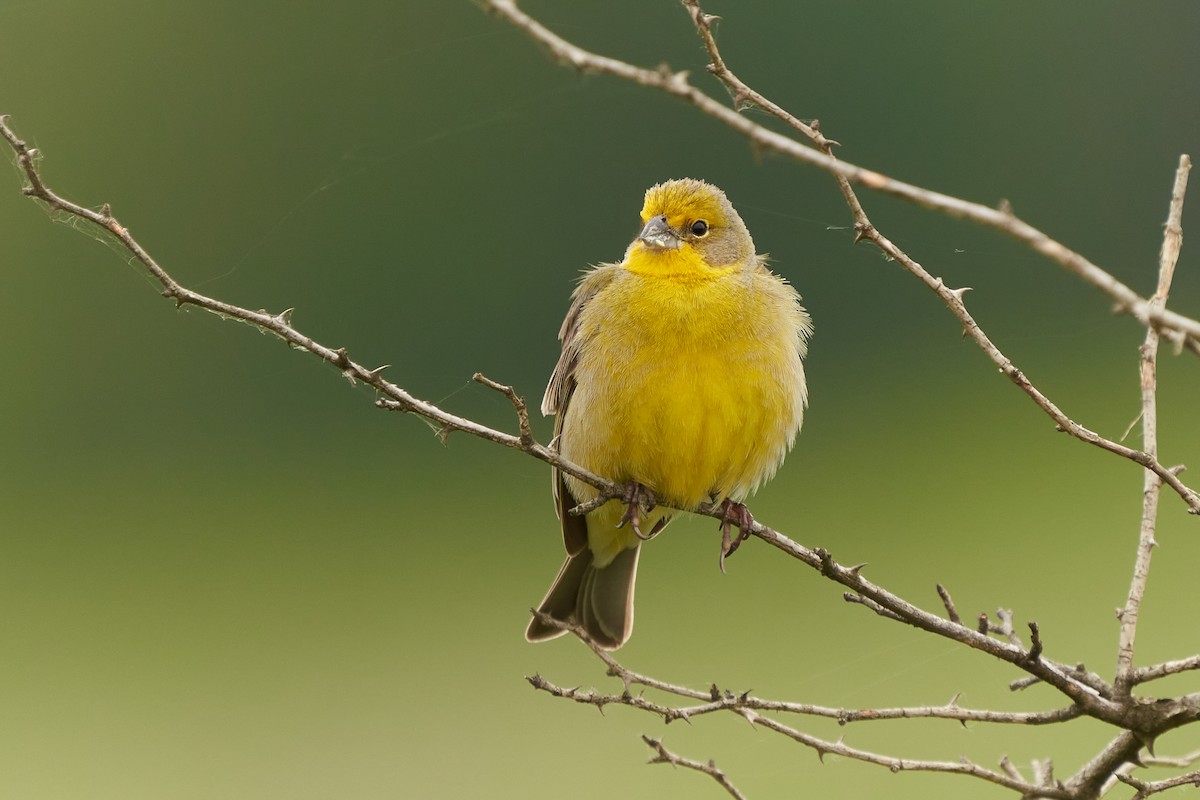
<point>689,423</point>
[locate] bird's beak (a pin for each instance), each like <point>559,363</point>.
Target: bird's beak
<point>658,234</point>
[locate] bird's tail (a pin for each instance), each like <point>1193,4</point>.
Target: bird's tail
<point>598,599</point>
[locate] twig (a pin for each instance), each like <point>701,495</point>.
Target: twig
<point>1185,760</point>
<point>1145,759</point>
<point>948,603</point>
<point>749,708</point>
<point>1004,629</point>
<point>866,602</point>
<point>518,402</point>
<point>730,701</point>
<point>1043,772</point>
<point>1079,672</point>
<point>1147,788</point>
<point>677,85</point>
<point>1044,669</point>
<point>1156,671</point>
<point>964,766</point>
<point>393,397</point>
<point>665,756</point>
<point>1152,482</point>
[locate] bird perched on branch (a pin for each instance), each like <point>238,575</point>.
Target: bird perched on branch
<point>681,378</point>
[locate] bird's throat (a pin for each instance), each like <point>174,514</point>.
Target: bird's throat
<point>684,264</point>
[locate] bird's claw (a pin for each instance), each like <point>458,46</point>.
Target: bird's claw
<point>733,513</point>
<point>638,498</point>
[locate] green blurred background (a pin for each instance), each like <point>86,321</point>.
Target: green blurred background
<point>224,573</point>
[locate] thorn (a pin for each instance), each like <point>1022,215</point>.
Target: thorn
<point>375,372</point>
<point>1035,649</point>
<point>1005,207</point>
<point>954,700</point>
<point>106,212</point>
<point>709,19</point>
<point>857,568</point>
<point>714,693</point>
<point>284,317</point>
<point>958,293</point>
<point>677,81</point>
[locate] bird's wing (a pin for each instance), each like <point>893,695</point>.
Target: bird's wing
<point>558,396</point>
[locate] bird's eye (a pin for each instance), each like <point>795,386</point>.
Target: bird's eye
<point>699,228</point>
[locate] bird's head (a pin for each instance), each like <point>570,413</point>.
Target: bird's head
<point>689,229</point>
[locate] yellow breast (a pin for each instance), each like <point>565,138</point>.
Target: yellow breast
<point>691,386</point>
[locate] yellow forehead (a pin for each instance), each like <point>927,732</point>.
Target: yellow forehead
<point>684,201</point>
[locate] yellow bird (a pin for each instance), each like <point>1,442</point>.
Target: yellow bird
<point>680,376</point>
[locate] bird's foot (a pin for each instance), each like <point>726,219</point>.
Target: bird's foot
<point>639,500</point>
<point>733,514</point>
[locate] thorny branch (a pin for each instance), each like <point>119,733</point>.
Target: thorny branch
<point>1091,694</point>
<point>1088,693</point>
<point>1147,788</point>
<point>665,756</point>
<point>1148,367</point>
<point>749,708</point>
<point>1184,331</point>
